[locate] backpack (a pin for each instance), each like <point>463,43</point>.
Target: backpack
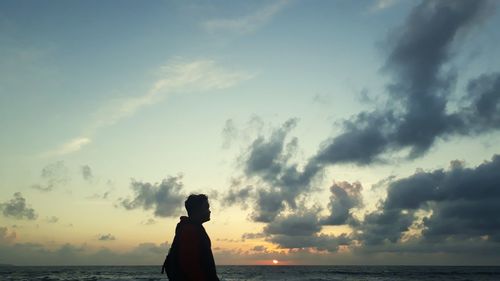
<point>171,263</point>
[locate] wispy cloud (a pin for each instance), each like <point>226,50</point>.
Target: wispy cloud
<point>382,5</point>
<point>176,77</point>
<point>73,145</point>
<point>247,23</point>
<point>52,219</point>
<point>53,175</point>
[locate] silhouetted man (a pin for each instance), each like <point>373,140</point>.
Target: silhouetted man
<point>190,257</point>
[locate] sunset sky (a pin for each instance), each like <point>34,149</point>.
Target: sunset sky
<point>323,132</point>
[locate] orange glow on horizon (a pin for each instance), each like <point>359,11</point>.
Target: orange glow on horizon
<point>271,262</point>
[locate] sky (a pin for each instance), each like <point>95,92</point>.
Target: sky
<point>324,132</point>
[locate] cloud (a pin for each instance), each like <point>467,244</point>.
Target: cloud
<point>176,77</point>
<point>268,205</point>
<point>280,181</point>
<point>69,254</point>
<point>53,175</point>
<point>483,110</point>
<point>266,156</point>
<point>165,198</point>
<point>303,223</point>
<point>229,133</point>
<point>237,195</point>
<point>251,236</point>
<point>380,5</point>
<point>345,196</point>
<point>149,221</point>
<point>86,173</point>
<point>302,229</point>
<point>52,219</point>
<point>442,210</point>
<point>417,112</point>
<point>103,196</point>
<point>106,237</point>
<point>452,211</point>
<point>321,242</point>
<point>71,146</point>
<point>259,248</point>
<point>5,236</point>
<point>460,207</point>
<point>247,23</point>
<point>17,208</point>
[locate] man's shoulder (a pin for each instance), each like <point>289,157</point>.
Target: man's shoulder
<point>189,229</point>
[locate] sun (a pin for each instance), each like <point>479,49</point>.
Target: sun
<point>275,261</point>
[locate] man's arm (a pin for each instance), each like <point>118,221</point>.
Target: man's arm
<point>190,253</point>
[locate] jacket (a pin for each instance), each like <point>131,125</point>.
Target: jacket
<point>194,250</point>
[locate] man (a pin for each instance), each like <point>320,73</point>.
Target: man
<point>190,257</point>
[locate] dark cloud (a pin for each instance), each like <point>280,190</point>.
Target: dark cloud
<point>269,204</point>
<point>345,196</point>
<point>259,248</point>
<point>301,229</point>
<point>237,195</point>
<point>251,236</point>
<point>462,203</point>
<point>321,242</point>
<point>278,184</point>
<point>106,237</point>
<point>281,181</point>
<point>17,208</point>
<point>69,254</point>
<point>165,198</point>
<point>386,226</point>
<point>86,173</point>
<point>417,112</point>
<point>266,157</point>
<point>53,176</point>
<point>483,110</point>
<point>300,223</point>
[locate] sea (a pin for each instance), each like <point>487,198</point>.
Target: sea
<point>258,273</point>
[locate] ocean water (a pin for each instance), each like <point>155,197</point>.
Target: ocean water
<point>260,273</point>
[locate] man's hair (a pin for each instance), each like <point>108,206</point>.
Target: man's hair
<point>194,202</point>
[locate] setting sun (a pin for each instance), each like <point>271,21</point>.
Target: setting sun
<point>275,261</point>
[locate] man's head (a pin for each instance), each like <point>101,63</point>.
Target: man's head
<point>197,207</point>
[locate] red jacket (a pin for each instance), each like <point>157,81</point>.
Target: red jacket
<point>195,257</point>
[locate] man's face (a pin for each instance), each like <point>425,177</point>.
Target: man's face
<point>205,212</point>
